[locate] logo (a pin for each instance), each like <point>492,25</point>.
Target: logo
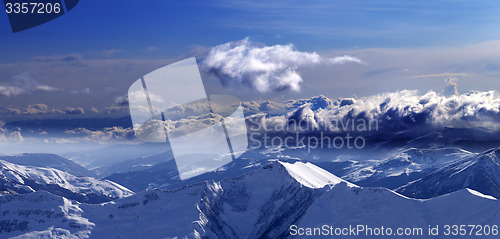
<point>204,131</point>
<point>25,14</point>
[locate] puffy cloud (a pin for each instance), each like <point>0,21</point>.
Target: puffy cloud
<point>36,109</point>
<point>9,90</point>
<point>393,113</point>
<point>104,135</point>
<point>23,83</point>
<point>94,109</point>
<point>276,108</point>
<point>121,100</point>
<point>344,59</point>
<point>409,109</point>
<point>43,109</point>
<point>267,106</point>
<point>10,135</point>
<point>317,102</point>
<point>115,110</point>
<point>263,68</point>
<point>451,86</point>
<point>74,111</point>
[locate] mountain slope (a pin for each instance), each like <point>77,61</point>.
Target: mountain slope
<point>343,206</point>
<point>480,172</point>
<point>270,199</point>
<point>41,215</point>
<point>263,203</point>
<point>49,161</point>
<point>24,179</point>
<point>403,167</point>
<point>166,176</point>
<point>94,160</point>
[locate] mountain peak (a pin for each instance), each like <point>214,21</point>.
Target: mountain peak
<point>312,176</point>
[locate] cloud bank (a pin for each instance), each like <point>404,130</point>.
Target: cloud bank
<point>398,112</point>
<point>23,83</point>
<point>402,113</point>
<point>263,68</point>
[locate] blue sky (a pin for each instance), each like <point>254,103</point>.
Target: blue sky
<point>175,27</point>
<point>91,55</point>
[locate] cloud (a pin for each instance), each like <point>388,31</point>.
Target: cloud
<point>83,91</point>
<point>36,109</point>
<point>265,106</point>
<point>121,100</point>
<point>8,90</point>
<point>403,112</point>
<point>11,135</point>
<point>151,48</point>
<point>23,83</point>
<point>263,68</point>
<point>451,86</point>
<point>74,111</point>
<point>42,109</point>
<point>440,75</point>
<point>104,135</point>
<point>69,59</point>
<point>344,59</point>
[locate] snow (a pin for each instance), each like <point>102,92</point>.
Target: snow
<point>49,233</point>
<point>261,203</point>
<point>476,193</point>
<point>42,215</point>
<point>18,174</point>
<point>311,175</point>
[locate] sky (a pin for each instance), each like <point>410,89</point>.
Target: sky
<point>86,60</point>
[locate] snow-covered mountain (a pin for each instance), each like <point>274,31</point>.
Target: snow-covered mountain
<point>24,179</point>
<point>164,175</point>
<point>41,215</point>
<point>263,203</point>
<point>402,167</point>
<point>135,164</point>
<point>49,161</point>
<point>479,172</point>
<point>100,160</point>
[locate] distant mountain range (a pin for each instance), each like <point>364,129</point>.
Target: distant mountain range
<point>21,179</point>
<point>479,172</point>
<point>263,203</point>
<point>49,161</point>
<point>416,170</point>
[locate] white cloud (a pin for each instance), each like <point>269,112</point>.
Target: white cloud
<point>105,135</point>
<point>42,109</point>
<point>8,90</point>
<point>440,75</point>
<point>13,136</point>
<point>263,68</point>
<point>402,111</point>
<point>23,83</point>
<point>344,59</point>
<point>451,86</point>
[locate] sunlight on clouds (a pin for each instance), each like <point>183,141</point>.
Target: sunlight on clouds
<point>263,68</point>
